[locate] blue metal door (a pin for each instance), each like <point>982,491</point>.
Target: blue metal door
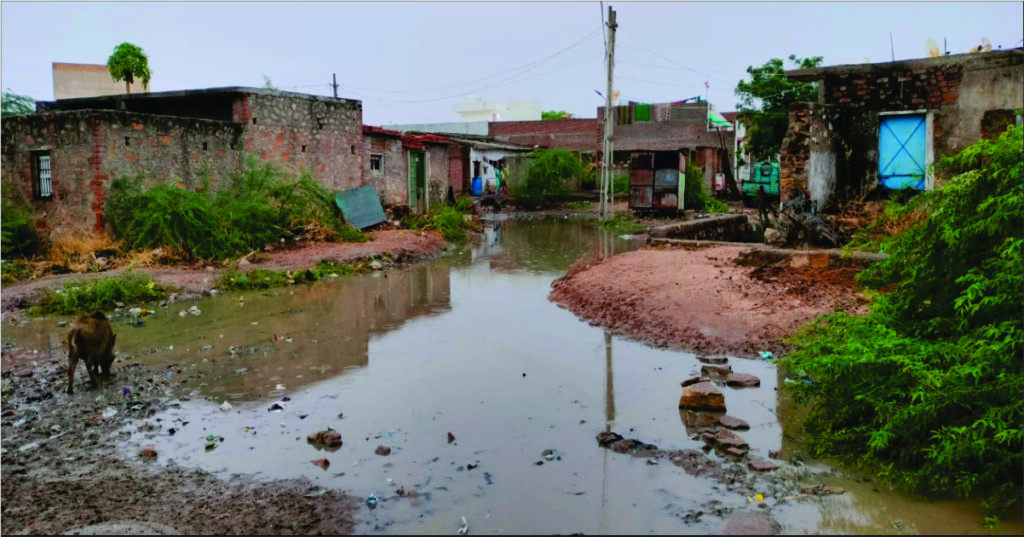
<point>901,151</point>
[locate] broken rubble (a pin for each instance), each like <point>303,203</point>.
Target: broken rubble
<point>328,438</point>
<point>728,439</point>
<point>763,465</point>
<point>702,396</point>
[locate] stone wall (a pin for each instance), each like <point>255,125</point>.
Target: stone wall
<point>322,136</point>
<point>89,149</point>
<point>956,92</point>
<point>392,181</point>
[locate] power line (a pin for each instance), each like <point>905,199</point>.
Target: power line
<point>517,70</point>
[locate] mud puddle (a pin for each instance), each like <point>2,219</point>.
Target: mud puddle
<point>470,345</point>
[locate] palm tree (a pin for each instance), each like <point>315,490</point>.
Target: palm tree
<point>128,62</point>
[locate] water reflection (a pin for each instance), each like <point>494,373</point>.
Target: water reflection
<point>547,244</point>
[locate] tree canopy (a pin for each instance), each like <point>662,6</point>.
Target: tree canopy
<point>765,99</point>
<point>14,104</point>
<point>548,115</point>
<point>127,63</point>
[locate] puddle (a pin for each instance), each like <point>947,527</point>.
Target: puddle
<point>469,344</point>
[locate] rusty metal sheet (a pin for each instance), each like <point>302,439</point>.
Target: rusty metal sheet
<point>666,177</point>
<point>640,197</point>
<point>641,177</point>
<point>666,198</point>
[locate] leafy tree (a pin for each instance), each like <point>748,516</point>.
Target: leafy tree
<point>765,101</point>
<point>548,115</point>
<point>14,104</point>
<point>127,63</point>
<point>547,180</point>
<point>927,386</point>
<point>268,84</point>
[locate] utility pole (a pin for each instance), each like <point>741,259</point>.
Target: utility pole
<point>334,77</point>
<point>607,199</point>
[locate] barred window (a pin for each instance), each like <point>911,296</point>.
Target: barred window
<point>43,177</point>
<point>376,162</point>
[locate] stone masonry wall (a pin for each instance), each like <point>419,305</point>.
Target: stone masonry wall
<point>322,136</point>
<point>392,181</point>
<point>89,149</point>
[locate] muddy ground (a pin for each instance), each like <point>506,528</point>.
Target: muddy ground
<point>60,467</point>
<point>700,300</point>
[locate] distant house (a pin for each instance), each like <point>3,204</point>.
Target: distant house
<point>407,169</point>
<point>885,124</point>
<point>74,80</point>
<point>64,157</point>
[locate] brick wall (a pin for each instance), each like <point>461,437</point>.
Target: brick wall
<point>796,151</point>
<point>571,134</point>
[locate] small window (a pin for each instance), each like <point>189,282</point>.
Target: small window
<point>353,150</point>
<point>205,146</point>
<point>303,149</point>
<point>43,176</point>
<point>127,141</point>
<point>376,162</point>
<point>253,121</point>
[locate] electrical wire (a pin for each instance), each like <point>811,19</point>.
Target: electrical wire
<point>517,70</point>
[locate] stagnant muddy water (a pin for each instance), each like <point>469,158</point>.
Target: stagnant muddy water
<point>469,344</point>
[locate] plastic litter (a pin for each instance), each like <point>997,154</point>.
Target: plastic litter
<point>371,502</point>
<point>465,527</point>
<point>109,412</point>
<point>194,310</point>
<point>767,355</point>
<point>127,391</point>
<point>226,406</point>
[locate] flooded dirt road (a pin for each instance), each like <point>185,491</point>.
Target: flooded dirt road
<point>469,344</point>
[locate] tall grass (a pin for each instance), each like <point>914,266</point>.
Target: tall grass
<point>449,221</point>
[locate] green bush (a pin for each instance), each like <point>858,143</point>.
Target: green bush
<point>79,297</point>
<point>548,178</point>
<point>448,220</point>
<point>927,387</point>
<point>694,195</point>
<point>623,223</point>
<point>237,280</point>
<point>18,237</point>
<point>620,185</point>
<point>13,271</point>
<point>260,205</point>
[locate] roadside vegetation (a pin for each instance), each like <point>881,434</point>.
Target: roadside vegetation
<point>927,387</point>
<point>695,196</point>
<point>106,294</point>
<point>260,205</point>
<point>237,280</point>
<point>548,178</point>
<point>451,222</point>
<point>623,223</point>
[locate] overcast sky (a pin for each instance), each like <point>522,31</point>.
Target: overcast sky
<point>411,62</point>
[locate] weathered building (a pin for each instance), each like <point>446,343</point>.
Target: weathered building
<point>409,169</point>
<point>72,80</point>
<point>887,123</point>
<point>64,158</point>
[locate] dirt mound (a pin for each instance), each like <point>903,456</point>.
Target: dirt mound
<point>700,300</point>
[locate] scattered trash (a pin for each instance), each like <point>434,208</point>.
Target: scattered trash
<point>465,527</point>
<point>241,370</point>
<point>127,391</point>
<point>315,493</point>
<point>767,355</point>
<point>225,406</point>
<point>451,437</point>
<point>371,502</point>
<point>194,310</point>
<point>169,374</point>
<point>182,313</point>
<point>550,455</point>
<point>277,407</point>
<point>383,451</point>
<point>109,412</point>
<point>322,463</point>
<point>472,465</point>
<point>283,425</point>
<point>488,478</point>
<point>148,452</point>
<point>759,498</point>
<point>652,462</point>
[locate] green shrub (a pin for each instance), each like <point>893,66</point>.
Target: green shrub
<point>18,237</point>
<point>623,223</point>
<point>694,195</point>
<point>14,271</point>
<point>620,185</point>
<point>448,220</point>
<point>260,205</point>
<point>79,297</point>
<point>464,204</point>
<point>237,280</point>
<point>927,387</point>
<point>548,178</point>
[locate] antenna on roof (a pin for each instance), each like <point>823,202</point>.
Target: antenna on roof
<point>931,48</point>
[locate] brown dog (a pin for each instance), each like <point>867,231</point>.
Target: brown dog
<point>92,340</point>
